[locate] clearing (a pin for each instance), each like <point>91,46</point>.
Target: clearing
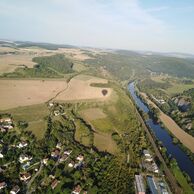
<point>178,88</point>
<point>92,114</point>
<point>104,142</point>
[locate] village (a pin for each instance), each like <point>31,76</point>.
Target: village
<point>151,179</point>
<point>30,166</point>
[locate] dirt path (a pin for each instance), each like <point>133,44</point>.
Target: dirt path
<point>173,127</point>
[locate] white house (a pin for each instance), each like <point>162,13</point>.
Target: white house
<point>15,190</point>
<point>24,158</point>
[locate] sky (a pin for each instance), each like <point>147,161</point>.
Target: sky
<point>154,25</point>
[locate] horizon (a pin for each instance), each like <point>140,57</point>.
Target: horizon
<point>92,47</point>
<point>134,25</point>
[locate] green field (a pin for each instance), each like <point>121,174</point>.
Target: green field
<point>35,116</point>
<point>82,133</point>
<point>178,88</point>
<point>118,117</point>
<point>182,180</point>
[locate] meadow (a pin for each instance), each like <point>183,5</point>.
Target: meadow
<point>34,115</point>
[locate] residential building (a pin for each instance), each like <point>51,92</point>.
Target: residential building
<point>54,183</point>
<point>152,185</point>
<point>3,185</point>
<point>77,190</point>
<point>25,176</point>
<point>15,190</point>
<point>139,184</point>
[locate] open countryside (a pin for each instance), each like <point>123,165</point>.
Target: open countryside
<point>96,97</point>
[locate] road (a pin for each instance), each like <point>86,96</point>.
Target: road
<point>33,178</point>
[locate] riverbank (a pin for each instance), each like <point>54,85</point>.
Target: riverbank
<point>186,139</point>
<point>164,138</point>
<point>171,179</point>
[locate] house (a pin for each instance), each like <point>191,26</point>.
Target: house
<point>71,164</point>
<point>58,145</point>
<point>163,188</point>
<point>63,158</point>
<point>51,104</point>
<point>7,127</point>
<point>152,185</point>
<point>146,153</point>
<point>1,155</point>
<point>15,190</point>
<point>26,165</point>
<point>139,185</point>
<point>6,120</point>
<point>155,168</point>
<point>2,129</point>
<point>25,176</point>
<point>3,185</point>
<point>189,126</point>
<point>148,159</point>
<point>56,113</point>
<point>22,144</point>
<point>24,158</point>
<point>80,157</point>
<point>45,161</point>
<point>54,183</point>
<point>78,165</point>
<point>77,190</point>
<point>55,153</point>
<point>67,152</point>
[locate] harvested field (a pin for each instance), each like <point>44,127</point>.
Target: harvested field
<point>92,114</point>
<point>170,124</point>
<point>16,93</point>
<point>79,89</point>
<point>104,142</point>
<point>76,54</point>
<point>21,57</point>
<point>9,63</point>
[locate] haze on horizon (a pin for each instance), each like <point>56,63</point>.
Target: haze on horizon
<point>126,24</point>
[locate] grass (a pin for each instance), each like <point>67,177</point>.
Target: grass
<point>182,180</point>
<point>82,133</point>
<point>104,142</point>
<point>103,125</point>
<point>79,67</point>
<point>92,114</point>
<point>100,85</point>
<point>34,115</point>
<point>160,78</point>
<point>176,85</point>
<point>178,88</point>
<point>119,117</point>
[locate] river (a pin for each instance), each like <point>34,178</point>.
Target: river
<point>163,136</point>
